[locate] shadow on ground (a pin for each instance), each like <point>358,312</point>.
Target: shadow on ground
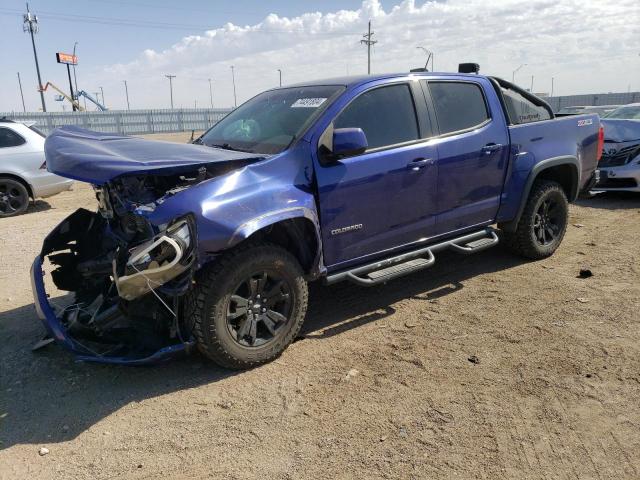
<point>612,201</point>
<point>37,206</point>
<point>48,397</point>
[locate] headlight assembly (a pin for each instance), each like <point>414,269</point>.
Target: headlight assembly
<point>157,261</point>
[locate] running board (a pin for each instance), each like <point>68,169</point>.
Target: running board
<point>397,266</point>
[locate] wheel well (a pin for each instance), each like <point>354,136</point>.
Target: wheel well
<point>297,235</point>
<point>18,179</point>
<point>566,175</point>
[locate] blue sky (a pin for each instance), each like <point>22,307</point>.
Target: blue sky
<point>587,46</point>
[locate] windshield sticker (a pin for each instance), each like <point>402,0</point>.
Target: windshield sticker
<point>308,102</point>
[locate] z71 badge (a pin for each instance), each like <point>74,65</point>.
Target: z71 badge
<point>586,121</point>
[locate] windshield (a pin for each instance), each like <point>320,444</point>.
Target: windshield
<point>269,122</point>
<point>626,113</point>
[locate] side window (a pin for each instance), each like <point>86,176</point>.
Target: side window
<point>386,115</point>
<point>458,106</point>
<point>522,110</point>
<point>9,138</point>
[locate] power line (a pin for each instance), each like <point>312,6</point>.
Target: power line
<point>369,43</point>
<point>124,22</point>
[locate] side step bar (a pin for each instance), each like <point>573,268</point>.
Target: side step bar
<point>393,267</point>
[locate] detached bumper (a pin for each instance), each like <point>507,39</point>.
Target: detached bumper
<point>56,329</point>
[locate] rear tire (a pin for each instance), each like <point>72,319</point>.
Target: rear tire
<point>543,223</point>
<point>248,306</point>
<point>14,197</point>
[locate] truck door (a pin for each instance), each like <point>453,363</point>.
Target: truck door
<point>473,151</point>
<point>384,197</point>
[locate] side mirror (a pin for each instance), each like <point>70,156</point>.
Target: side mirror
<point>348,141</point>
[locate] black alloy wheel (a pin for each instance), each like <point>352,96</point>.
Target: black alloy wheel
<point>259,309</point>
<point>548,221</point>
<point>14,197</point>
<point>248,305</point>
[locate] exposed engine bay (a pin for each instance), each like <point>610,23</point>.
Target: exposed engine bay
<point>128,277</point>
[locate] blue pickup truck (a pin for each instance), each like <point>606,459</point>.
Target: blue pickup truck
<point>211,245</point>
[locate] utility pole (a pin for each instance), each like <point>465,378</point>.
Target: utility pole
<point>233,78</point>
<point>280,73</point>
<point>24,109</point>
<point>75,79</point>
<point>210,93</point>
<point>126,92</point>
<point>73,103</point>
<point>102,93</point>
<point>30,24</point>
<point>368,42</point>
<point>171,77</point>
<point>513,74</point>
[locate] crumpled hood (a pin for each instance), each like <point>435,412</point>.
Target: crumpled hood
<point>98,158</point>
<point>618,130</point>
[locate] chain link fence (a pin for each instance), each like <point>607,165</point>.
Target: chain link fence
<point>126,122</point>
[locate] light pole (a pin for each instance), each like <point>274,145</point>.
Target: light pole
<point>531,89</point>
<point>75,79</point>
<point>429,57</point>
<point>552,86</point>
<point>24,109</point>
<point>233,78</point>
<point>30,24</point>
<point>513,74</point>
<point>126,92</point>
<point>102,93</point>
<point>280,73</point>
<point>171,77</point>
<point>211,93</point>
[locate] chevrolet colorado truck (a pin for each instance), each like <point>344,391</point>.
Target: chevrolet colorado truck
<point>210,245</point>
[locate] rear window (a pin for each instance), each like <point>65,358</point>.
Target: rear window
<point>522,110</point>
<point>458,105</point>
<point>9,138</point>
<point>38,131</point>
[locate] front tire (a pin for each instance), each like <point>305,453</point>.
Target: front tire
<point>248,306</point>
<point>543,223</point>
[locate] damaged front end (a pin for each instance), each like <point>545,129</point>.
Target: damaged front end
<point>127,276</point>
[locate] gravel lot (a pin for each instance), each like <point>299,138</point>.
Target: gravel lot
<point>482,367</point>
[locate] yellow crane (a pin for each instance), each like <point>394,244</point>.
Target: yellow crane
<point>71,100</point>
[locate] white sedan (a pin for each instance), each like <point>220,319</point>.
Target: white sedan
<point>23,170</point>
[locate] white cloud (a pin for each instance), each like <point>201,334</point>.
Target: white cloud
<point>588,46</point>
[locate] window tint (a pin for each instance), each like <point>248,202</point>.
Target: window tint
<point>458,106</point>
<point>521,110</point>
<point>386,115</point>
<point>8,138</point>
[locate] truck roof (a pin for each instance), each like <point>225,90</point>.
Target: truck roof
<point>355,80</point>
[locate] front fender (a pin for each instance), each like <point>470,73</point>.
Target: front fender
<point>232,207</point>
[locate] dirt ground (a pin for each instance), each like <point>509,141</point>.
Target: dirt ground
<point>482,367</point>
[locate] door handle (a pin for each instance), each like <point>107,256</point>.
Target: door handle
<point>419,163</point>
<point>489,148</point>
